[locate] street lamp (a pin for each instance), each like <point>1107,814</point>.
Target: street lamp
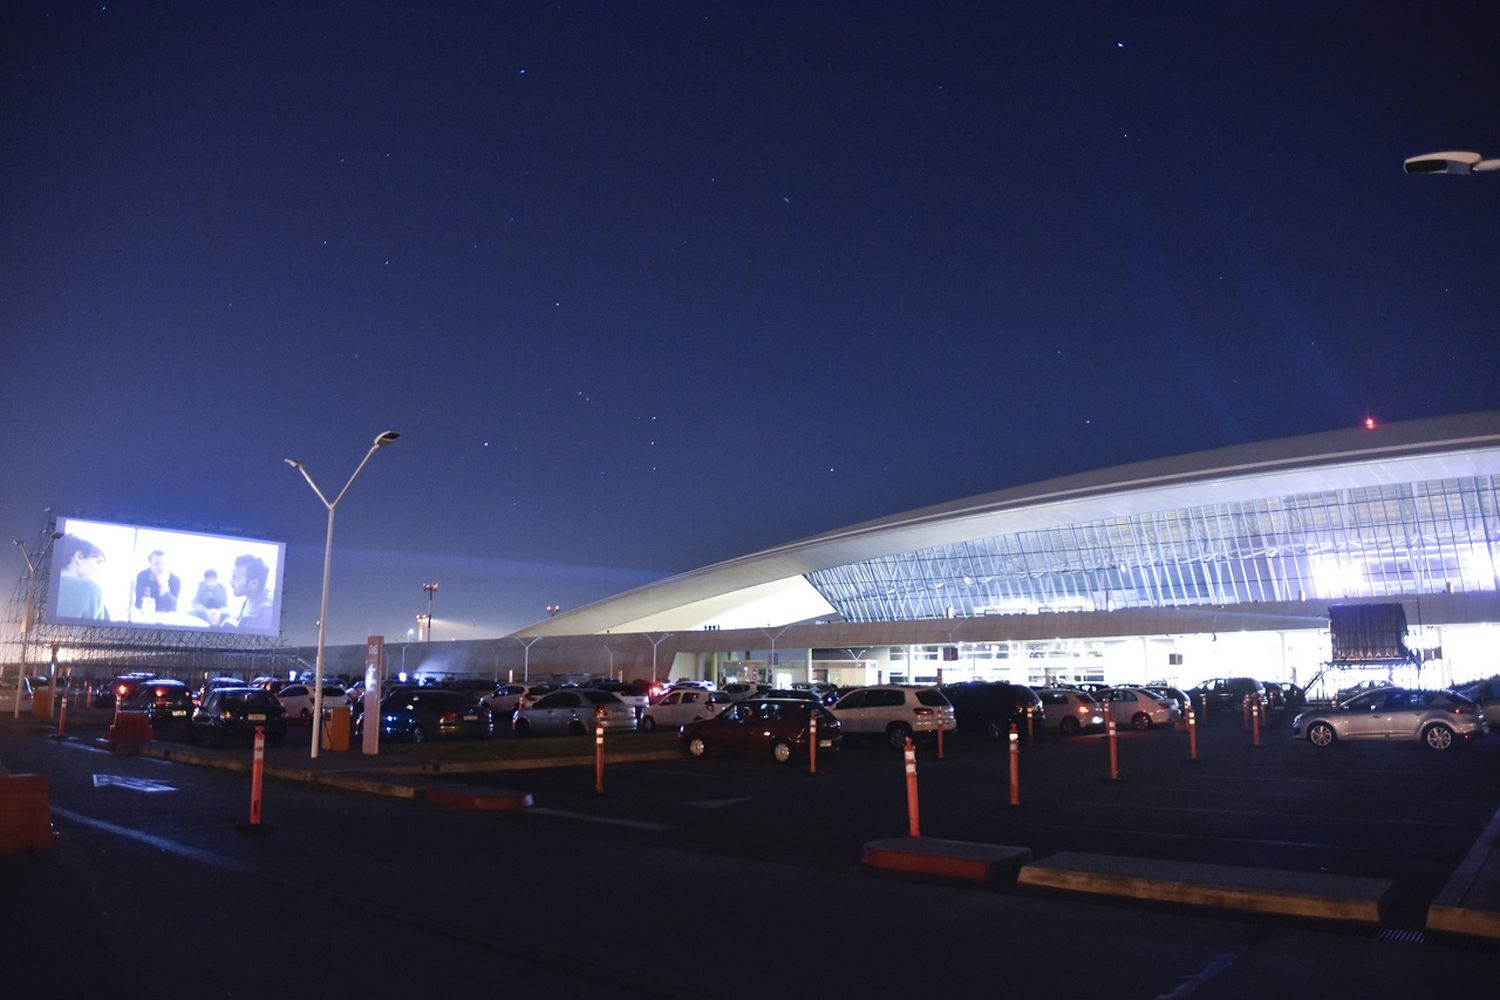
<point>381,441</point>
<point>28,621</point>
<point>431,589</point>
<point>1451,162</point>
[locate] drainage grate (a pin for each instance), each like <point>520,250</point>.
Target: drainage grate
<point>1399,936</point>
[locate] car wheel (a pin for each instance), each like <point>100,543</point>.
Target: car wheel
<point>781,751</point>
<point>696,747</point>
<point>648,724</point>
<point>306,716</point>
<point>1321,734</point>
<point>575,728</point>
<point>898,733</point>
<point>418,735</point>
<point>1069,726</point>
<point>1438,737</point>
<point>522,727</point>
<point>1141,721</point>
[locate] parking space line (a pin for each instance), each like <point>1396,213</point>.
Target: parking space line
<point>634,824</point>
<point>160,843</point>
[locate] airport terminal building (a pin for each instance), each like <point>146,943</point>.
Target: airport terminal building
<point>1218,563</point>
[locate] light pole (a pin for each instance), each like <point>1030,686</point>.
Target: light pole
<point>771,667</point>
<point>654,643</point>
<point>28,621</point>
<point>381,441</point>
<point>431,589</point>
<point>526,660</point>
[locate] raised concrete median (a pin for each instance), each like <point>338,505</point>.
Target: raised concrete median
<point>1302,894</point>
<point>1470,902</point>
<point>956,859</point>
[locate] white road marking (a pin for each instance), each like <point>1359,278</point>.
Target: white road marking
<point>134,784</point>
<point>718,803</point>
<point>160,843</point>
<point>633,824</point>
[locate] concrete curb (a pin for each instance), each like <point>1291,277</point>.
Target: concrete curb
<point>1470,902</point>
<point>1262,890</point>
<point>955,859</point>
<point>498,799</point>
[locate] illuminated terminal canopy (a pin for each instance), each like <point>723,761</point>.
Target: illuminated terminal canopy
<point>1364,513</point>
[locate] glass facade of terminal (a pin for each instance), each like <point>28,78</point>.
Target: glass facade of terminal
<point>1373,542</point>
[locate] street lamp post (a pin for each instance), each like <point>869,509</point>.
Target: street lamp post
<point>28,621</point>
<point>654,644</point>
<point>526,659</point>
<point>431,589</point>
<point>381,441</point>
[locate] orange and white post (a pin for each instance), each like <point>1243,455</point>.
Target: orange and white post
<point>1015,766</point>
<point>812,740</point>
<point>62,715</point>
<point>1192,721</point>
<point>1114,748</point>
<point>1030,725</point>
<point>1255,722</point>
<point>257,774</point>
<point>912,818</point>
<point>941,755</point>
<point>598,756</point>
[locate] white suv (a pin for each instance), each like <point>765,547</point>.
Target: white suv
<point>893,711</point>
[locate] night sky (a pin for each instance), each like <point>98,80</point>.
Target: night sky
<point>645,286</point>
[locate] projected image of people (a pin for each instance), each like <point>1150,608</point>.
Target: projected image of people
<point>156,587</point>
<point>211,599</point>
<point>249,582</point>
<point>78,592</point>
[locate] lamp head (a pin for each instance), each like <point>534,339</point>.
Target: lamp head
<point>294,463</point>
<point>1450,162</point>
<point>385,438</point>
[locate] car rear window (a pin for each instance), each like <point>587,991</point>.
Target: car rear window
<point>932,698</point>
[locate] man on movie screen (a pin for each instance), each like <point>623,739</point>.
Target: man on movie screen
<point>156,587</point>
<point>248,581</point>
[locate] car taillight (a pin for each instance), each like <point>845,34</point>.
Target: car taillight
<point>449,716</point>
<point>922,711</point>
<point>1462,709</point>
<point>599,712</point>
<point>1084,710</point>
<point>226,715</point>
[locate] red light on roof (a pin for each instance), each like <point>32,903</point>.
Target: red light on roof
<point>1369,423</point>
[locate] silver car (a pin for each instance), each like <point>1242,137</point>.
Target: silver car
<point>1437,718</point>
<point>573,711</point>
<point>1139,708</point>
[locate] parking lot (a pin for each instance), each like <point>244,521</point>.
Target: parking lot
<point>1394,811</point>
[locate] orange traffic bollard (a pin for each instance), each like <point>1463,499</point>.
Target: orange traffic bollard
<point>1255,723</point>
<point>1030,725</point>
<point>1015,766</point>
<point>1246,722</point>
<point>62,716</point>
<point>812,741</point>
<point>1192,735</point>
<point>599,757</point>
<point>913,820</point>
<point>257,776</point>
<point>1114,750</point>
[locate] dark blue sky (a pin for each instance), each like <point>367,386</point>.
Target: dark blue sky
<point>647,286</point>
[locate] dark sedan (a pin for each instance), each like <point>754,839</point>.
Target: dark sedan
<point>421,714</point>
<point>166,701</point>
<point>777,727</point>
<point>235,714</point>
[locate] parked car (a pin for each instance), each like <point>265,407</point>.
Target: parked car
<point>1486,693</point>
<point>778,727</point>
<point>8,687</point>
<point>297,699</point>
<point>1070,712</point>
<point>1226,693</point>
<point>990,707</point>
<point>574,711</point>
<point>120,687</point>
<point>423,713</point>
<point>1440,719</point>
<point>235,713</point>
<point>1353,690</point>
<point>634,695</point>
<point>166,701</point>
<point>682,706</point>
<point>827,693</point>
<point>506,698</point>
<point>894,712</point>
<point>1176,696</point>
<point>1139,708</point>
<point>740,690</point>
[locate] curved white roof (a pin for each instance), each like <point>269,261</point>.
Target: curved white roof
<point>769,586</point>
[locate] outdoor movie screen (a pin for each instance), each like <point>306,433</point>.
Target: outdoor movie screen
<point>155,578</point>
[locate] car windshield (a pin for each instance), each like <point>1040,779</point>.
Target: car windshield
<point>932,698</point>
